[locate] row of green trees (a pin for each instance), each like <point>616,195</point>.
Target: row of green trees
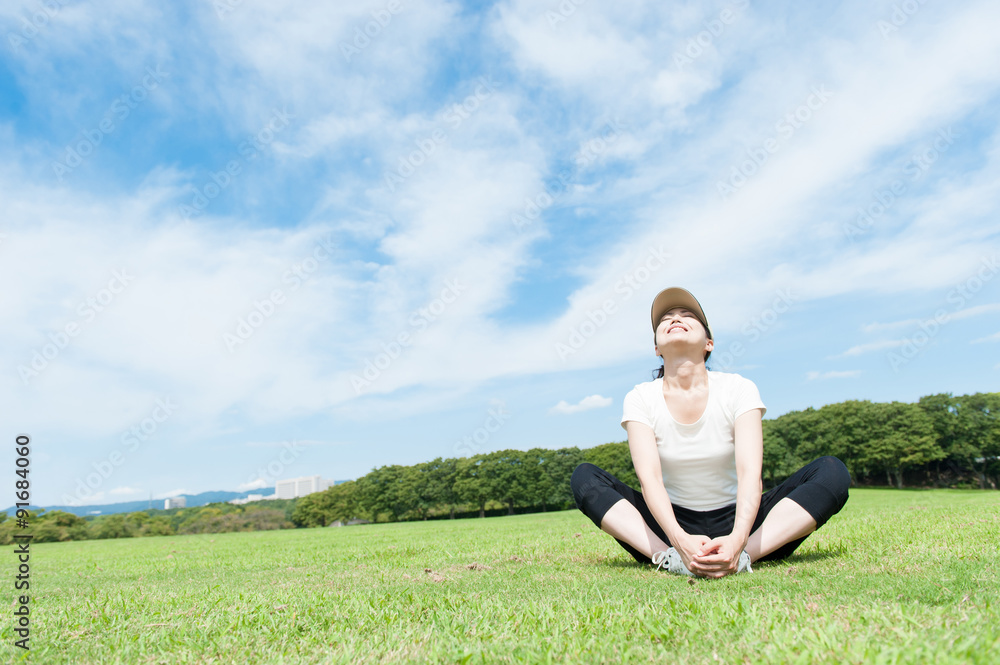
<point>58,526</point>
<point>939,441</point>
<point>536,479</point>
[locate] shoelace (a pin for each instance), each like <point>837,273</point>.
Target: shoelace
<point>660,559</point>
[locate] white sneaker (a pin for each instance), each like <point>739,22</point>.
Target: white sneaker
<point>670,560</point>
<point>744,566</point>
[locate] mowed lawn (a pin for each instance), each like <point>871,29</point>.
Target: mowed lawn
<point>897,577</point>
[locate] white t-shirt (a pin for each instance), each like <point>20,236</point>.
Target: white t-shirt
<point>698,460</point>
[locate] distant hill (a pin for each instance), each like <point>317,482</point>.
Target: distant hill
<point>193,500</point>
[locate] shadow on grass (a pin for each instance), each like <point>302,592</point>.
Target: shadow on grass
<point>808,557</point>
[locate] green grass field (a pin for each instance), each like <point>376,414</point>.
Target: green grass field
<point>897,577</point>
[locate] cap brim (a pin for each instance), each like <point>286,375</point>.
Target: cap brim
<point>675,296</point>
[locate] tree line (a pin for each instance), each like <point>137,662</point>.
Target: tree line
<point>58,526</point>
<point>939,441</point>
<point>529,480</point>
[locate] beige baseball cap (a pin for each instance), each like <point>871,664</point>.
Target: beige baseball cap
<point>677,297</point>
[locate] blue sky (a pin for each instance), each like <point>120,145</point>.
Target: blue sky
<point>245,241</point>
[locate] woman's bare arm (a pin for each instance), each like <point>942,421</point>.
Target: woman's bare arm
<point>749,440</point>
<point>646,459</point>
<point>721,555</point>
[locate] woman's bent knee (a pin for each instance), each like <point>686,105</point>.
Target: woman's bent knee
<point>581,479</point>
<point>830,474</point>
<point>582,473</point>
<point>836,477</point>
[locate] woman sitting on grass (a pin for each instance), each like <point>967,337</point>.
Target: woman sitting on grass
<point>697,446</point>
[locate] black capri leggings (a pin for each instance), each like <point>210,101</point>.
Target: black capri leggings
<point>820,487</point>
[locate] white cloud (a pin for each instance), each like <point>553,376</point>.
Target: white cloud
<point>870,346</point>
<point>850,374</point>
<point>257,484</point>
<point>124,491</point>
<point>586,404</point>
<point>95,499</point>
<point>656,186</point>
<point>172,493</point>
<point>995,337</point>
<point>974,311</point>
<point>890,325</point>
<point>581,49</point>
<point>950,316</point>
<point>292,444</point>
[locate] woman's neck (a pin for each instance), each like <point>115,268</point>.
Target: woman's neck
<point>684,374</point>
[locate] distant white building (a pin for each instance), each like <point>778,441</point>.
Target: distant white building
<point>175,502</point>
<point>296,487</point>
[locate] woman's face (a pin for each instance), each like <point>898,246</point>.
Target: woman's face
<point>680,329</point>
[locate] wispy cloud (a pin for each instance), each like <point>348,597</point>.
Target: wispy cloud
<point>890,325</point>
<point>849,374</point>
<point>868,348</point>
<point>964,313</point>
<point>294,444</point>
<point>995,337</point>
<point>119,491</point>
<point>979,310</point>
<point>233,317</point>
<point>586,404</point>
<point>257,484</point>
